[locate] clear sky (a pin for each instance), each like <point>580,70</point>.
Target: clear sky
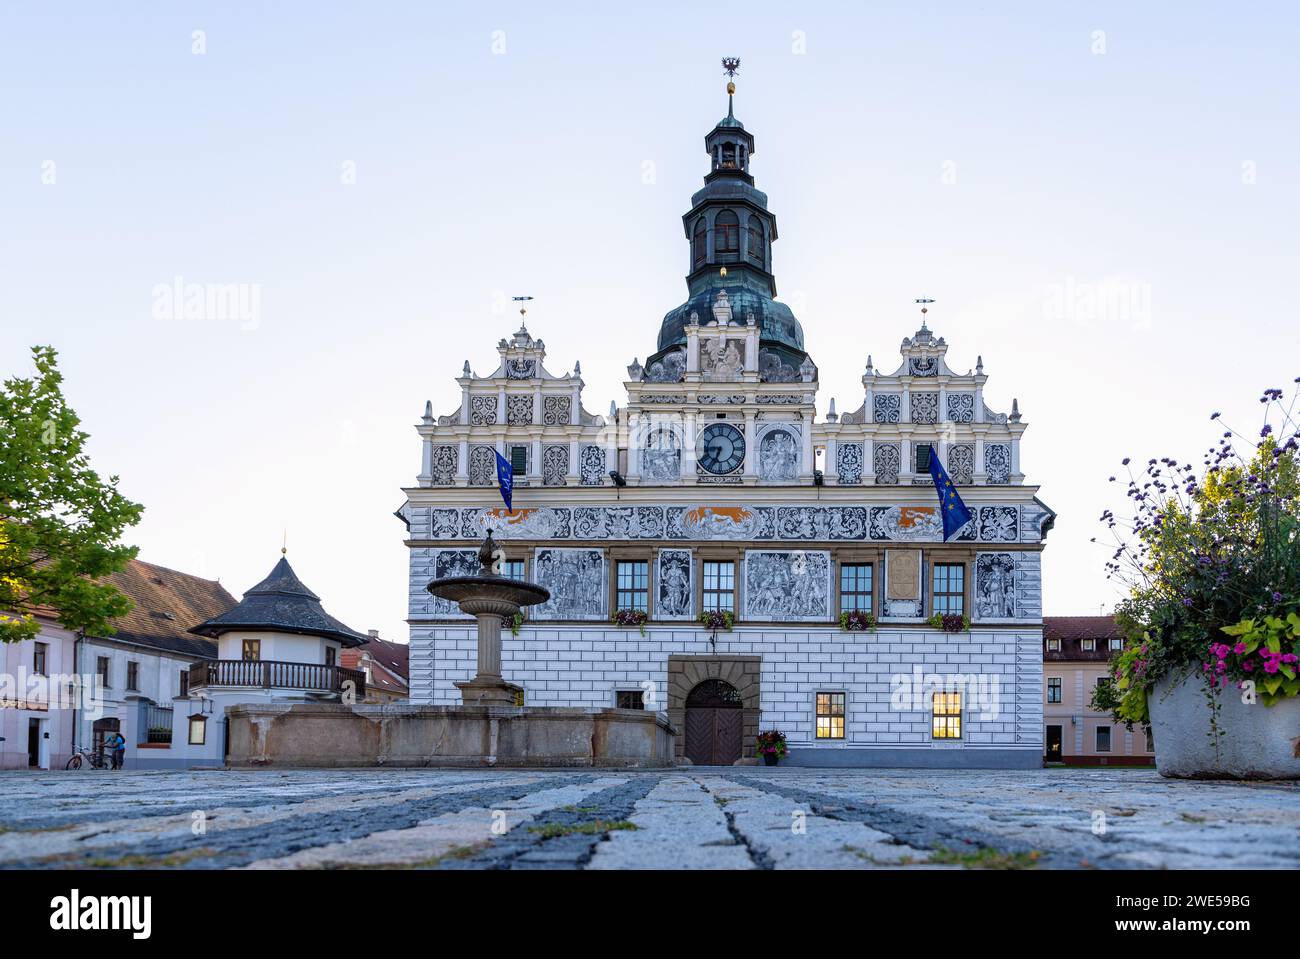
<point>1102,199</point>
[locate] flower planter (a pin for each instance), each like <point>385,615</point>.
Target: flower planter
<point>1254,741</point>
<point>769,759</point>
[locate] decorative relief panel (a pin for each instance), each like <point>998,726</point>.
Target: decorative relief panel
<point>445,461</point>
<point>482,466</point>
<point>714,398</point>
<point>592,463</point>
<point>663,398</point>
<point>903,583</point>
<point>674,584</point>
<point>521,369</point>
<point>923,366</point>
<point>849,463</point>
<point>772,369</point>
<point>925,407</point>
<point>661,455</point>
<point>995,586</point>
<point>789,523</point>
<point>778,399</point>
<point>999,524</point>
<point>578,581</point>
<point>669,368</point>
<point>722,358</point>
<point>519,410</point>
<point>961,407</point>
<point>886,407</point>
<point>997,462</point>
<point>887,458</point>
<point>792,586</point>
<point>482,410</point>
<point>778,454</point>
<point>452,562</point>
<point>555,465</point>
<point>961,463</point>
<point>557,410</point>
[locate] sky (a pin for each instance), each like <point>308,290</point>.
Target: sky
<point>1101,199</point>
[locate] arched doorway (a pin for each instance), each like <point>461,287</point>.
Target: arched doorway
<point>714,724</point>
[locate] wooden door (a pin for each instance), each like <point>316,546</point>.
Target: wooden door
<point>714,724</point>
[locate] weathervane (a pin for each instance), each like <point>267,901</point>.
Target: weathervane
<point>731,65</point>
<point>523,310</point>
<point>924,310</point>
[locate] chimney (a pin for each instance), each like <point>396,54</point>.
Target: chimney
<point>372,633</point>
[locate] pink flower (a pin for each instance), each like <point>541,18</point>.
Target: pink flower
<point>1239,648</point>
<point>1289,658</point>
<point>1271,666</point>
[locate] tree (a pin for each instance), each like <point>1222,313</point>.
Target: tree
<point>59,521</point>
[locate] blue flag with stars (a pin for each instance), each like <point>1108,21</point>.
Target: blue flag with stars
<point>954,511</point>
<point>506,480</point>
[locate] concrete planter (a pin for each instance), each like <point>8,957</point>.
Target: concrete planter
<point>1254,742</point>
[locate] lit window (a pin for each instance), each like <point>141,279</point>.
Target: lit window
<point>719,586</point>
<point>949,588</point>
<point>519,697</point>
<point>629,699</point>
<point>634,585</point>
<point>830,715</point>
<point>198,730</point>
<point>1054,689</point>
<point>855,587</point>
<point>1103,739</point>
<point>251,650</point>
<point>946,708</point>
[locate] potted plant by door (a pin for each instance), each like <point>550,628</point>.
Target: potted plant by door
<point>771,746</point>
<point>1211,658</point>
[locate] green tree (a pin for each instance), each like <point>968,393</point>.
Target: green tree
<point>59,521</point>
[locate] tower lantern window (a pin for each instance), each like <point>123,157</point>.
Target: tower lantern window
<point>726,237</point>
<point>756,251</point>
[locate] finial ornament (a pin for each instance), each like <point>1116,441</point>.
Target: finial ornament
<point>731,65</point>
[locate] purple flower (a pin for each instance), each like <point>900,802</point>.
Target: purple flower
<point>1277,597</point>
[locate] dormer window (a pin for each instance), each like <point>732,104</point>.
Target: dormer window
<point>726,237</point>
<point>756,249</point>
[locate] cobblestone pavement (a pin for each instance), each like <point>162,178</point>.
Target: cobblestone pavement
<point>690,818</point>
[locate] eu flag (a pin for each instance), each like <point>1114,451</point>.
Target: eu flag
<point>954,511</point>
<point>506,480</point>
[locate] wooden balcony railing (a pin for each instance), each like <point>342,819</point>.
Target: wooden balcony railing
<point>269,674</point>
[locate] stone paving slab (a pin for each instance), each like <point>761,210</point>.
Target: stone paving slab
<point>686,818</point>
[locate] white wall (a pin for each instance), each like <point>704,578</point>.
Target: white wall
<point>159,675</point>
<point>16,660</point>
<point>278,647</point>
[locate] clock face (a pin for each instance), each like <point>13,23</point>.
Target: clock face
<point>721,448</point>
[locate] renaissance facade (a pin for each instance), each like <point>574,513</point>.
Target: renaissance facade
<point>716,488</point>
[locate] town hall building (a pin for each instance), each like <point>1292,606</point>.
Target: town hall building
<point>717,491</point>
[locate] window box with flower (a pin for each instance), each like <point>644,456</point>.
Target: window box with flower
<point>631,617</point>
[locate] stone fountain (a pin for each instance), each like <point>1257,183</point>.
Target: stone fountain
<point>493,600</point>
<point>487,729</point>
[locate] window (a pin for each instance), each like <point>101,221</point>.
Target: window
<point>719,586</point>
<point>1116,645</point>
<point>855,587</point>
<point>728,156</point>
<point>513,569</point>
<point>699,244</point>
<point>101,669</point>
<point>1053,645</point>
<point>40,658</point>
<point>519,460</point>
<point>726,237</point>
<point>519,697</point>
<point>629,699</point>
<point>331,656</point>
<point>1054,689</point>
<point>922,451</point>
<point>252,650</point>
<point>1103,681</point>
<point>1103,739</point>
<point>185,682</point>
<point>830,715</point>
<point>634,585</point>
<point>132,675</point>
<point>946,719</point>
<point>1088,645</point>
<point>755,251</point>
<point>949,588</point>
<point>198,730</point>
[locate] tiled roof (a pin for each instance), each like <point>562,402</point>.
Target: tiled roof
<point>1080,627</point>
<point>281,603</point>
<point>388,661</point>
<point>167,604</point>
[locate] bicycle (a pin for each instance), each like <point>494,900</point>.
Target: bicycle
<point>82,755</point>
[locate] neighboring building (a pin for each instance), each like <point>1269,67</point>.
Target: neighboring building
<point>277,645</point>
<point>145,664</point>
<point>718,488</point>
<point>1076,657</point>
<point>385,666</point>
<point>35,679</point>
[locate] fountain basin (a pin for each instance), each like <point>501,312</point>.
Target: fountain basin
<point>331,735</point>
